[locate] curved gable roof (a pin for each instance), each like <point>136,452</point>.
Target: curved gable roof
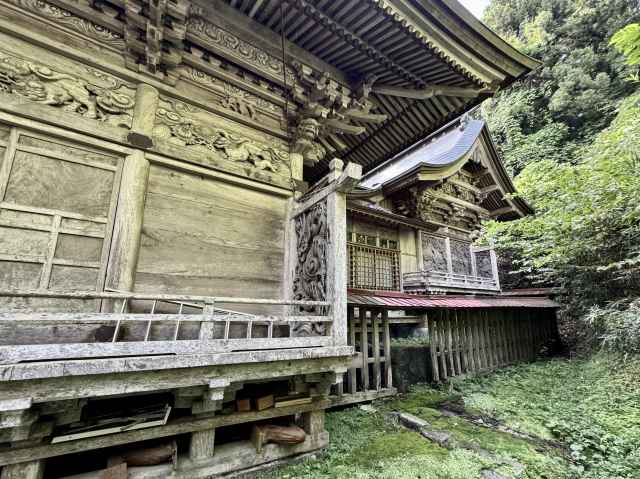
<point>439,156</point>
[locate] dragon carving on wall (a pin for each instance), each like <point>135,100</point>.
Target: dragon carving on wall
<point>310,278</point>
<point>177,123</point>
<point>104,99</point>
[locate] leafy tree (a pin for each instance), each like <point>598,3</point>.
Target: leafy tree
<point>585,235</point>
<point>627,41</point>
<point>573,95</point>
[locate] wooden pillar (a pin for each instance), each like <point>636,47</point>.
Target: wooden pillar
<point>450,355</point>
<point>471,360</point>
<point>494,267</point>
<point>441,345</point>
<point>24,470</point>
<point>336,254</point>
<point>201,446</point>
<point>313,422</point>
<point>375,323</point>
<point>127,229</point>
<point>457,342</point>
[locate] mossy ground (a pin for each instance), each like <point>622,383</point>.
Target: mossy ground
<point>570,402</point>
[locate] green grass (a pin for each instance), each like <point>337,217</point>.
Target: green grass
<point>591,407</point>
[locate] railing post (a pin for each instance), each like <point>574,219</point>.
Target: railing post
<point>337,275</point>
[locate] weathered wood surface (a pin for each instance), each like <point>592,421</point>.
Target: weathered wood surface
<point>271,433</point>
<point>234,238</point>
<point>187,298</point>
<point>67,368</point>
<point>41,352</point>
<point>471,341</point>
<point>172,428</point>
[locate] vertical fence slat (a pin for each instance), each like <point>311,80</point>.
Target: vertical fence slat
<point>376,348</point>
<point>433,345</point>
<point>494,340</point>
<point>471,341</point>
<point>364,348</point>
<point>386,345</point>
<point>351,324</point>
<point>456,340</point>
<point>441,346</point>
<point>452,366</point>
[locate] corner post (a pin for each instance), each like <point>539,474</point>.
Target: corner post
<point>337,259</point>
<point>127,229</point>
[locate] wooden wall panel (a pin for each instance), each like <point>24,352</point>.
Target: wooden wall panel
<point>202,236</point>
<point>50,183</point>
<point>57,200</point>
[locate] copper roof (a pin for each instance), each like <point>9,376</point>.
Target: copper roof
<point>397,300</point>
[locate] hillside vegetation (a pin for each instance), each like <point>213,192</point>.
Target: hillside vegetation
<point>570,132</point>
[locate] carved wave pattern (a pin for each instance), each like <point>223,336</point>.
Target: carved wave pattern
<point>72,21</point>
<point>310,279</point>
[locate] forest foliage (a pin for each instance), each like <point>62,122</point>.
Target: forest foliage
<point>571,134</point>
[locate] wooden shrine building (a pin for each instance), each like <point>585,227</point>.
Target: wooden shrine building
<point>181,190</point>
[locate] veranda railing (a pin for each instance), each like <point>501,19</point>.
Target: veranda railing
<point>151,324</point>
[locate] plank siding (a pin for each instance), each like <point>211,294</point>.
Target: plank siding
<point>202,236</point>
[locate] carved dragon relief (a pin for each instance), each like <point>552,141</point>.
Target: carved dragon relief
<point>64,17</point>
<point>184,125</point>
<point>96,95</point>
<point>310,277</point>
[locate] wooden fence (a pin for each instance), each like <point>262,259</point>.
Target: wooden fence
<point>473,340</point>
<point>369,375</point>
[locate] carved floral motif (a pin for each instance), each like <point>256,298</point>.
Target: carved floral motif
<point>105,98</point>
<point>176,123</point>
<point>68,19</point>
<point>310,278</point>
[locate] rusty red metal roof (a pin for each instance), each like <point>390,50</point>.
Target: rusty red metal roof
<point>397,300</point>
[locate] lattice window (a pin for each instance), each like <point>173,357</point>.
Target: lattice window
<point>372,267</point>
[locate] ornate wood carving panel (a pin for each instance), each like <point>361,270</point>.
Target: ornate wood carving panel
<point>91,94</point>
<point>184,125</point>
<point>434,253</point>
<point>483,264</point>
<point>310,276</point>
<point>65,18</point>
<point>461,257</point>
